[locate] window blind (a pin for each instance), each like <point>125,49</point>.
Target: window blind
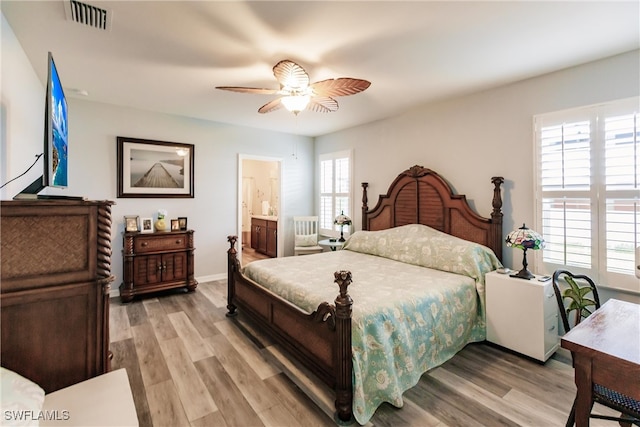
<point>335,189</point>
<point>588,191</point>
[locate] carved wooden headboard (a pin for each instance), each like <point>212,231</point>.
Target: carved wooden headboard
<point>421,196</point>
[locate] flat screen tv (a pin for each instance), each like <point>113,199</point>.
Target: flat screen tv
<point>56,139</point>
<point>56,136</point>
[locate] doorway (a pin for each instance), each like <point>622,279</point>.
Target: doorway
<point>259,196</point>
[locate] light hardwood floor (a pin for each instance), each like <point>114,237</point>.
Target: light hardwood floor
<point>190,365</point>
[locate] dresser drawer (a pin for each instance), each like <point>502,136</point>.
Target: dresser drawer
<point>160,243</point>
<point>550,303</point>
<point>551,338</point>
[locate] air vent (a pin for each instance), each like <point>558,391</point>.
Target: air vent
<point>88,15</point>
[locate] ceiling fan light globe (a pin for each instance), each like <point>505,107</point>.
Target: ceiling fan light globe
<point>295,103</point>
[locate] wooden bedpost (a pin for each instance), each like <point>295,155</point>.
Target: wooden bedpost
<point>496,215</point>
<point>344,371</point>
<point>365,208</point>
<point>232,266</point>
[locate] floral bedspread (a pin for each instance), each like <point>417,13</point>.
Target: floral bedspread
<point>418,299</point>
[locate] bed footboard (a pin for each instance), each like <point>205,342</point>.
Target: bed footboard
<point>321,341</point>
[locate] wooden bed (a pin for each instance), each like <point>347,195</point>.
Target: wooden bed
<point>321,341</point>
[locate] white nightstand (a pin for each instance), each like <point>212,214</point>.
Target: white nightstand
<point>522,315</point>
<point>332,245</point>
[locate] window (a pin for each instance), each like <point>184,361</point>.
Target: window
<point>588,191</point>
<point>335,190</point>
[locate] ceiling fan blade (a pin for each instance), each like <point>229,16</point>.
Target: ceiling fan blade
<point>340,87</point>
<point>270,106</point>
<point>322,104</point>
<point>291,75</point>
<point>248,90</point>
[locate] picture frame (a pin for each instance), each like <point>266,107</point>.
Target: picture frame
<point>182,221</point>
<point>154,169</point>
<point>146,225</point>
<point>131,223</point>
<point>175,225</point>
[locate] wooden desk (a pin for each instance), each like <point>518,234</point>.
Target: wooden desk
<point>606,351</point>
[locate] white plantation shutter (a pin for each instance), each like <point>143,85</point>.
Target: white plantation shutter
<point>588,191</point>
<point>335,189</point>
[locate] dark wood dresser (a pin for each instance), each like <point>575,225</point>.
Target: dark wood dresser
<point>157,261</point>
<point>54,295</point>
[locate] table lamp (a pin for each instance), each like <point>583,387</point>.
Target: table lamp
<point>524,238</point>
<point>342,220</point>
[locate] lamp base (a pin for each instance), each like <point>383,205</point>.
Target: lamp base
<point>523,274</point>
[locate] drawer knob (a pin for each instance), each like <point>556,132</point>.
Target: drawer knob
<point>178,241</point>
<point>145,244</point>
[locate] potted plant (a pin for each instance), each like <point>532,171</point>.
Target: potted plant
<point>578,300</point>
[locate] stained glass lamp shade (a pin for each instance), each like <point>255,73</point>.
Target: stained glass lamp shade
<point>342,220</point>
<point>524,238</point>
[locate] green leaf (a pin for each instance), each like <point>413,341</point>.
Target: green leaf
<point>577,299</point>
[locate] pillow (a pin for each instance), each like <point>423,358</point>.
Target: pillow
<point>304,240</point>
<point>21,397</point>
<point>424,246</point>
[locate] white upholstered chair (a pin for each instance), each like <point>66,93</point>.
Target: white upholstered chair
<point>306,235</point>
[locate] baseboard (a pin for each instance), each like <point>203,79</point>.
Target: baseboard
<point>115,290</point>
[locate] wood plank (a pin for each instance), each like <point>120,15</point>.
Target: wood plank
<point>231,403</point>
<point>202,303</point>
<point>523,374</point>
<point>119,326</point>
<point>214,419</point>
<point>215,292</point>
<point>246,347</point>
<point>124,356</point>
<point>150,358</point>
<point>453,408</point>
<point>477,374</point>
<point>200,311</point>
<point>162,326</point>
<point>297,403</point>
<point>521,412</point>
<point>193,342</point>
<point>136,312</point>
<point>317,391</point>
<point>252,387</point>
<point>259,337</point>
<point>278,416</point>
<point>169,301</point>
<point>193,394</point>
<point>165,405</point>
<point>410,414</point>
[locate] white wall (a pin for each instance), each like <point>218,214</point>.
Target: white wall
<point>470,139</point>
<point>22,97</point>
<point>93,128</point>
<point>213,212</point>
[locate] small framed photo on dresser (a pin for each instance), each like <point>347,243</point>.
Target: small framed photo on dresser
<point>182,222</point>
<point>147,225</point>
<point>131,222</point>
<point>175,225</point>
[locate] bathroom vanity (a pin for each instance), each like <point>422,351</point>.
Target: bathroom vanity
<point>264,234</point>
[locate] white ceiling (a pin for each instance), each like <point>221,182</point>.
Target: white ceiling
<point>168,56</point>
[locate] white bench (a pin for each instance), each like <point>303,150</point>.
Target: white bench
<point>105,400</point>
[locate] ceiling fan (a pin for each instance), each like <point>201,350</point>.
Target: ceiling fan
<point>298,94</point>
